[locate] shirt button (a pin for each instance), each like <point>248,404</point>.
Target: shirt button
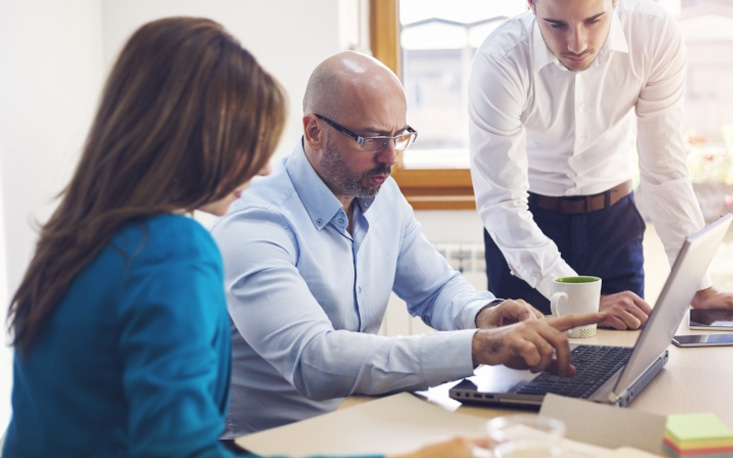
<point>319,221</point>
<point>360,290</point>
<point>341,221</point>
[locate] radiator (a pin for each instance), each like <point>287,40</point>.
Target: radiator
<point>464,257</point>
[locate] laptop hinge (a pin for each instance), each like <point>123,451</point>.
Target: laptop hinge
<point>629,393</point>
<point>613,397</point>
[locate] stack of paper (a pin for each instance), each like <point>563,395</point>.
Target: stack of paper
<point>697,435</point>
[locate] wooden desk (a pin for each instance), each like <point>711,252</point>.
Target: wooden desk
<point>695,380</point>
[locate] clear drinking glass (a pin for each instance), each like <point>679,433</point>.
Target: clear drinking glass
<point>525,436</point>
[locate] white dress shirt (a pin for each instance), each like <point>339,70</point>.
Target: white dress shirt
<point>535,126</point>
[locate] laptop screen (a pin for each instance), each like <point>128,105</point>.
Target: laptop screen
<point>682,283</point>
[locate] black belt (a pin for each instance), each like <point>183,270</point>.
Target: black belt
<point>578,205</point>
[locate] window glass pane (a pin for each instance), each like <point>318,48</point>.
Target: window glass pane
<point>708,30</point>
<point>438,39</point>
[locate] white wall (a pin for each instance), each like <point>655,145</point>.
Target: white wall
<point>461,226</point>
<point>54,57</point>
<point>288,37</point>
<point>51,62</point>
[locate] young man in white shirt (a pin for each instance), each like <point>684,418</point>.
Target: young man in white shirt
<point>559,97</point>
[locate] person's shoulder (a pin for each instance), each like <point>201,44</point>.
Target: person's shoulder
<point>641,11</point>
<point>511,36</point>
<point>265,191</point>
<point>166,235</point>
<point>265,203</point>
<point>649,27</point>
<point>175,227</point>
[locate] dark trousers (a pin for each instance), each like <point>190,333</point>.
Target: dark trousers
<point>605,243</point>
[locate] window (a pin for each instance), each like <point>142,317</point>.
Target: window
<point>431,46</point>
<point>438,40</point>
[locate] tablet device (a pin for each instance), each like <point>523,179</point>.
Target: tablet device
<point>703,340</point>
<point>711,319</point>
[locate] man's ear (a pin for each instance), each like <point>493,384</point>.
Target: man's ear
<point>531,6</point>
<point>312,132</point>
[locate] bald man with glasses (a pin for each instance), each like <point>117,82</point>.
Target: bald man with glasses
<point>313,251</point>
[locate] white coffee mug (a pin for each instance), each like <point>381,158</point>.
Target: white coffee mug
<point>580,294</point>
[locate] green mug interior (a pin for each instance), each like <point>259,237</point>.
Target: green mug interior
<point>579,279</point>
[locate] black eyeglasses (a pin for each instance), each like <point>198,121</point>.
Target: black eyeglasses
<point>375,144</point>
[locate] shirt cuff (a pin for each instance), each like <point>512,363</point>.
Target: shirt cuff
<point>547,285</point>
<point>706,282</point>
<point>447,356</point>
<point>493,303</point>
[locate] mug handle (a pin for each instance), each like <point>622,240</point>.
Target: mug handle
<point>555,301</point>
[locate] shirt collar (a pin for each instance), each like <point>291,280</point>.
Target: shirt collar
<point>616,41</point>
<point>320,203</point>
<point>543,55</point>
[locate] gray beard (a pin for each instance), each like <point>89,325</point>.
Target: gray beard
<point>341,180</point>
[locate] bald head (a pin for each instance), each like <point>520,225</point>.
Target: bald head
<point>348,82</point>
<point>352,95</point>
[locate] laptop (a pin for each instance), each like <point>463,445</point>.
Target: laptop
<point>628,370</point>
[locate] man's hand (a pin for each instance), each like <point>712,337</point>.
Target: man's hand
<point>508,312</point>
<point>538,345</point>
<point>710,298</point>
<point>624,310</point>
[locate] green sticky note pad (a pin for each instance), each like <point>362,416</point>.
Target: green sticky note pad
<point>697,426</point>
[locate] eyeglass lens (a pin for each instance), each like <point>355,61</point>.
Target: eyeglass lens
<point>376,145</point>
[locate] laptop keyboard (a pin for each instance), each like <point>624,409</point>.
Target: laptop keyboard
<point>594,365</point>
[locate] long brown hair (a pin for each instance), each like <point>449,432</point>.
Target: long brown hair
<point>186,116</point>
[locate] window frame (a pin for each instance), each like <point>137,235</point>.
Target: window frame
<point>425,189</point>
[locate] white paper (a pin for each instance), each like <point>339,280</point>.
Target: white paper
<point>605,425</point>
<point>394,424</point>
<point>404,422</point>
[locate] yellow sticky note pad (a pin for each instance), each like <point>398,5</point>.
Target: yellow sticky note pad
<point>698,429</point>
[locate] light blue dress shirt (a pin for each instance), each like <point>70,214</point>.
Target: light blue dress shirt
<point>307,299</point>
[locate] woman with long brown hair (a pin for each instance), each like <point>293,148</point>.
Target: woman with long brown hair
<point>120,323</point>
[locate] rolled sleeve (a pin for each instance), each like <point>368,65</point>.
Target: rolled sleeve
<point>665,181</point>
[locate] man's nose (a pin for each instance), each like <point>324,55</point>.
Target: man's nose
<point>389,155</point>
<point>577,40</point>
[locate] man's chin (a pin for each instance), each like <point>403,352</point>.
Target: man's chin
<point>577,68</point>
<point>369,191</point>
<point>373,192</point>
<point>575,65</point>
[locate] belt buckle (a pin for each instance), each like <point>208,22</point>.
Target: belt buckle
<point>572,201</point>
